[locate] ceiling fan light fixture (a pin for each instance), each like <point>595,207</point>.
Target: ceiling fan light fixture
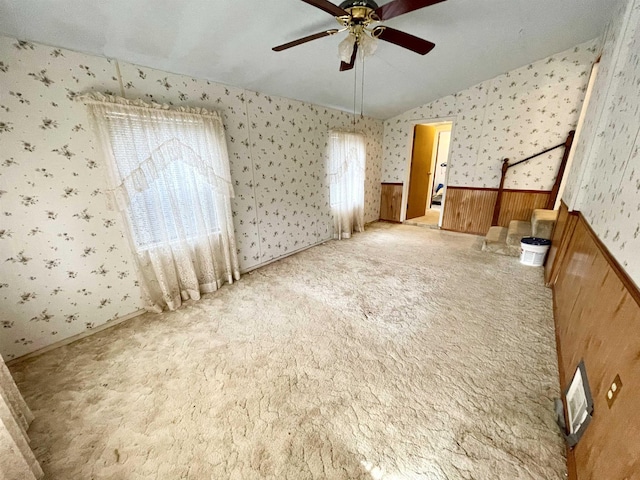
<point>368,45</point>
<point>345,47</point>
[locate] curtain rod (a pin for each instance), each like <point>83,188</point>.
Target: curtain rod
<point>97,98</point>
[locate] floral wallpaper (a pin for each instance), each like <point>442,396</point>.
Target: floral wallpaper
<point>65,265</point>
<point>609,49</point>
<point>606,182</point>
<point>514,115</point>
<point>277,151</point>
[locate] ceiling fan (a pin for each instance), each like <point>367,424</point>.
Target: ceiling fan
<point>360,18</point>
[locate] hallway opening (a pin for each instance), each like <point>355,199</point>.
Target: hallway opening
<point>427,178</point>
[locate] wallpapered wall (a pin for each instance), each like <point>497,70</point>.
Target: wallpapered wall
<point>65,265</point>
<point>514,115</point>
<point>609,54</point>
<point>604,181</point>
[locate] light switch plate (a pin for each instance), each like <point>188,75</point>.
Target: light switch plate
<point>614,390</point>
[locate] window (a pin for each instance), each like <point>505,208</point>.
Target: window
<point>165,166</point>
<point>169,177</point>
<point>141,147</point>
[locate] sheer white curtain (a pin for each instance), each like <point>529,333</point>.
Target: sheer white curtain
<point>347,160</point>
<point>16,458</point>
<point>169,175</point>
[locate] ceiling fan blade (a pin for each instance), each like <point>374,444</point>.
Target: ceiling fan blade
<point>400,7</point>
<point>405,40</point>
<point>348,66</point>
<point>302,40</point>
<point>328,7</point>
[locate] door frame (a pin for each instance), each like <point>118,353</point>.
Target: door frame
<point>409,129</point>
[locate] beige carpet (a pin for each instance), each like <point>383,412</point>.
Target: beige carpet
<point>430,218</point>
<point>401,353</point>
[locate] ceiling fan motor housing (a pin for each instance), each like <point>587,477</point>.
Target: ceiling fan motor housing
<point>359,3</point>
<point>360,11</point>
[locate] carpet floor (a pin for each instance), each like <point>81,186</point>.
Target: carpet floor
<point>403,352</point>
<point>430,217</point>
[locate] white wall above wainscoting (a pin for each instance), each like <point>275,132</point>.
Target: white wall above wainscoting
<point>514,115</point>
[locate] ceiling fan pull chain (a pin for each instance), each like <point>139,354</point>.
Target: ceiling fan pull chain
<point>362,92</point>
<point>355,92</point>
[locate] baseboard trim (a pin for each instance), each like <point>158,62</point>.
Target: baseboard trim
<point>75,338</point>
<point>264,264</point>
<point>571,459</point>
<point>466,233</point>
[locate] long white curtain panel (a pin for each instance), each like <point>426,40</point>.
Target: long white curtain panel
<point>347,161</point>
<point>168,173</point>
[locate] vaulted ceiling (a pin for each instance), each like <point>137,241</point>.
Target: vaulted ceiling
<point>229,41</point>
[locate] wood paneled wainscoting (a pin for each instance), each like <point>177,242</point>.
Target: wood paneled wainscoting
<point>597,315</point>
<point>391,201</point>
<point>470,210</point>
<point>562,233</point>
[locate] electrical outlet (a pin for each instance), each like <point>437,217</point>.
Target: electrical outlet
<point>613,391</point>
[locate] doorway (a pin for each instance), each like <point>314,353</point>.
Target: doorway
<point>427,176</point>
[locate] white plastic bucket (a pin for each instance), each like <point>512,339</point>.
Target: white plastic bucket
<point>534,250</point>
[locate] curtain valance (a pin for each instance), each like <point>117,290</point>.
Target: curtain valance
<point>182,134</point>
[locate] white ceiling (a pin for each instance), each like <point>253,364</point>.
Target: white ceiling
<point>229,41</point>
